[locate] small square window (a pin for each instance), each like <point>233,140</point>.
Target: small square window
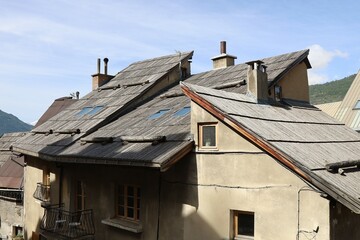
<point>244,225</point>
<point>357,105</point>
<point>208,135</point>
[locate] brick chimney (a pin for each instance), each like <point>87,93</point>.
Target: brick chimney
<point>100,79</point>
<point>223,60</point>
<point>257,80</point>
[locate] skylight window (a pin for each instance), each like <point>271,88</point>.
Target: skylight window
<point>357,105</point>
<point>84,111</point>
<point>89,111</point>
<point>182,112</point>
<point>95,110</point>
<point>158,114</point>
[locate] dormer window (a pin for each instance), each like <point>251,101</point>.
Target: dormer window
<point>208,135</point>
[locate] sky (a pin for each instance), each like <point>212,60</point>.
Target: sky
<point>49,49</point>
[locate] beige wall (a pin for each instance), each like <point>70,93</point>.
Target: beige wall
<point>295,84</point>
<point>11,214</point>
<point>205,187</point>
<point>33,173</point>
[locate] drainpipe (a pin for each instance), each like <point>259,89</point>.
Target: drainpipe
<point>305,188</point>
<point>159,203</point>
<point>60,184</point>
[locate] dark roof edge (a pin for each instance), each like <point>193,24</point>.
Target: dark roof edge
<point>282,157</point>
<point>303,58</point>
<point>176,157</point>
<point>164,166</point>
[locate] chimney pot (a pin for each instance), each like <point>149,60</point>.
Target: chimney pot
<point>223,47</point>
<point>106,60</point>
<point>98,65</point>
<point>77,94</point>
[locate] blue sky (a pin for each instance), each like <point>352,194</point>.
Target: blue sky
<point>48,49</point>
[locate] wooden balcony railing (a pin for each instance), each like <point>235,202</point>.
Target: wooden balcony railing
<point>42,192</point>
<point>68,225</point>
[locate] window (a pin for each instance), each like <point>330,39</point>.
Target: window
<point>357,105</point>
<point>46,182</point>
<point>128,202</point>
<point>80,196</point>
<point>89,111</point>
<point>278,93</point>
<point>182,112</point>
<point>95,110</point>
<point>84,111</point>
<point>158,114</point>
<point>17,231</point>
<point>244,225</point>
<point>208,135</point>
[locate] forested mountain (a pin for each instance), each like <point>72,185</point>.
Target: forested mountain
<point>331,91</point>
<point>10,123</point>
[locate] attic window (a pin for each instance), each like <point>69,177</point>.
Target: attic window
<point>158,114</point>
<point>182,112</point>
<point>207,135</point>
<point>357,105</point>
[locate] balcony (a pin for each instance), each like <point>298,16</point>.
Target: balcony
<point>62,224</point>
<point>42,192</point>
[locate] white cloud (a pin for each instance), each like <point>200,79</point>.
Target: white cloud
<point>317,78</point>
<point>320,57</point>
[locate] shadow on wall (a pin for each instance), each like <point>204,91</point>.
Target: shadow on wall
<point>180,202</point>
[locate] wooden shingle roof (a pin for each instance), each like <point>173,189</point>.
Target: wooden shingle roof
<point>108,144</point>
<point>176,129</point>
<point>111,99</point>
<point>305,139</point>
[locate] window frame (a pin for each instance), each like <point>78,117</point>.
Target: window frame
<point>200,135</point>
<point>136,200</point>
<point>80,195</point>
<point>235,234</point>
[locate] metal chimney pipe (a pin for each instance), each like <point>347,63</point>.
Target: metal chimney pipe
<point>98,65</point>
<point>223,47</point>
<point>106,60</point>
<point>77,94</point>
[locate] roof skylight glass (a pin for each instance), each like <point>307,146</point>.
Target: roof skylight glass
<point>84,111</point>
<point>182,112</point>
<point>159,114</point>
<point>89,111</point>
<point>357,105</point>
<point>95,110</point>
